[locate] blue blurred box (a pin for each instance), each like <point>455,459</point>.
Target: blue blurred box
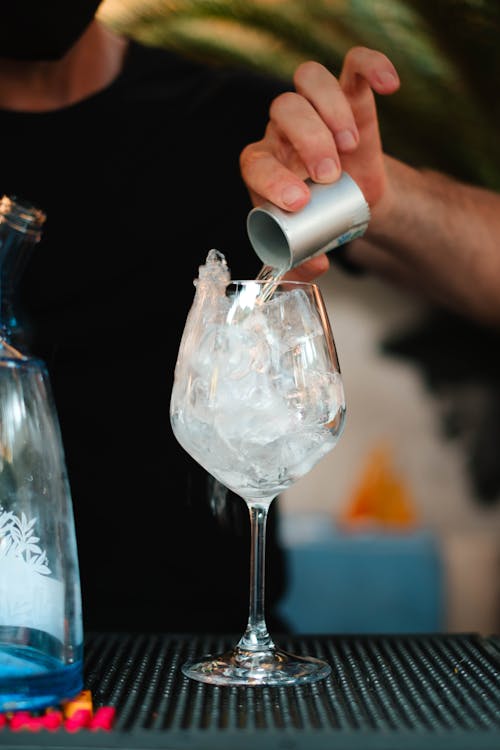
<point>375,582</point>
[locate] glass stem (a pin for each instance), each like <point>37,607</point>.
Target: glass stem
<point>256,636</point>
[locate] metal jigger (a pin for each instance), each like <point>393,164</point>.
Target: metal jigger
<point>336,213</point>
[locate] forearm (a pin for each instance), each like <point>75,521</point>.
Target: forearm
<point>437,235</point>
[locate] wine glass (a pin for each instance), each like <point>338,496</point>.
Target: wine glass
<point>257,400</point>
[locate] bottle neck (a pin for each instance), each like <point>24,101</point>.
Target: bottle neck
<point>20,229</point>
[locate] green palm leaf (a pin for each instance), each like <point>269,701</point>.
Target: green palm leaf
<point>446,114</point>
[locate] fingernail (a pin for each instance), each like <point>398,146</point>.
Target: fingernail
<point>327,169</point>
<point>345,140</point>
<point>387,78</point>
<point>292,194</point>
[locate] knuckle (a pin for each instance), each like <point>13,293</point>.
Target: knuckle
<point>256,165</point>
<point>308,72</point>
<point>251,153</point>
<point>246,153</point>
<point>358,51</point>
<point>282,103</point>
<point>361,56</point>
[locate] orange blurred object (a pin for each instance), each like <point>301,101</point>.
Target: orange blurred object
<point>81,702</point>
<point>382,499</point>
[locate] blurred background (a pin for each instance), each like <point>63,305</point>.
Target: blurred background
<point>398,529</point>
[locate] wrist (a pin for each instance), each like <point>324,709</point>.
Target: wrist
<point>390,214</point>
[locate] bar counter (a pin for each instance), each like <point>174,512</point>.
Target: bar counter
<point>386,692</point>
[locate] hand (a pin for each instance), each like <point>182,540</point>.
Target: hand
<point>323,127</point>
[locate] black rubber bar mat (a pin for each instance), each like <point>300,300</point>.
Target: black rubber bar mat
<point>394,692</point>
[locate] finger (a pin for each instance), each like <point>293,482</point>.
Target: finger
<point>309,270</point>
<point>367,68</point>
<point>315,82</point>
<point>364,72</point>
<point>270,176</point>
<point>299,123</point>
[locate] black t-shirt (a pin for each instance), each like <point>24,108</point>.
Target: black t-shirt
<point>139,181</point>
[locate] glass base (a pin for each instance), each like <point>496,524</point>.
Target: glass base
<point>257,668</point>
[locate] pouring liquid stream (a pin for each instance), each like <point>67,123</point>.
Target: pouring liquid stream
<point>271,276</point>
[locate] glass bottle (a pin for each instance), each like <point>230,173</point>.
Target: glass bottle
<point>41,632</point>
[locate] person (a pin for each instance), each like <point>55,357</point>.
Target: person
<point>132,152</point>
<point>428,232</point>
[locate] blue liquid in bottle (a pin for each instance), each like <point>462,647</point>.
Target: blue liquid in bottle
<point>32,679</point>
